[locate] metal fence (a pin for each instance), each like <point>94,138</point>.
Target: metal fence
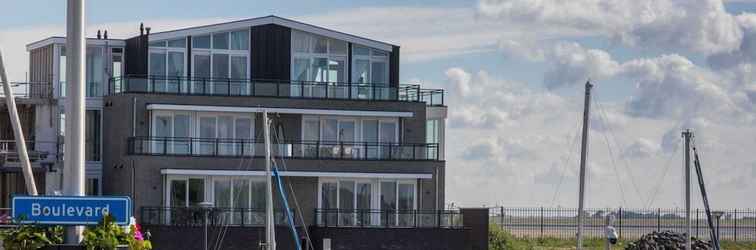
<point>388,218</point>
<point>186,146</point>
<point>734,225</point>
<point>273,88</point>
<point>217,216</point>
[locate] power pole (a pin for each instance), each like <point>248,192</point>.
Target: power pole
<point>73,159</point>
<point>687,135</point>
<point>583,158</point>
<point>18,132</point>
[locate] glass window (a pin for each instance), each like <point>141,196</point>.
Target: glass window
<point>238,67</point>
<point>62,72</point>
<point>361,71</point>
<point>329,130</point>
<point>196,191</point>
<point>364,199</point>
<point>177,43</point>
<point>370,130</point>
<point>93,186</point>
<point>241,198</point>
<point>220,40</point>
<point>175,70</point>
<point>336,68</point>
<point>338,47</point>
<point>380,53</point>
<point>346,202</point>
<point>157,63</point>
<point>220,70</point>
<point>207,127</point>
<point>379,74</point>
<point>243,128</point>
<point>163,126</point>
<point>299,70</point>
<point>157,44</point>
<point>300,41</point>
<point>201,66</point>
<point>240,40</point>
<point>258,194</point>
<point>388,132</point>
<point>388,201</point>
<point>222,193</point>
<point>92,137</point>
<point>346,131</point>
<point>360,51</point>
<point>181,129</point>
<point>319,70</point>
<point>321,44</point>
<point>329,201</point>
<point>178,193</point>
<point>201,42</point>
<point>406,202</point>
<point>95,71</point>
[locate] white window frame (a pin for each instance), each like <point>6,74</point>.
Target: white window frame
<point>310,55</point>
<point>165,50</point>
<point>229,52</point>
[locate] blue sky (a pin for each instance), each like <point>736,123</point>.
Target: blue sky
<point>513,71</point>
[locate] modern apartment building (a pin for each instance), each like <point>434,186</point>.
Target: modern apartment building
<point>174,120</point>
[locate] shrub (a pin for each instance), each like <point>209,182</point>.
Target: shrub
<point>107,235</point>
<point>31,237</point>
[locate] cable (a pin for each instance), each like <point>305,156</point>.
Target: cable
<point>655,190</point>
<point>570,149</point>
<point>614,164</point>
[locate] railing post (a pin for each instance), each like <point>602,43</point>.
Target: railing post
<point>317,149</point>
<point>373,92</point>
<point>413,151</point>
<point>501,217</point>
<point>438,218</point>
<point>365,149</point>
<point>242,148</point>
<point>228,86</point>
<point>341,150</point>
<point>252,87</point>
<point>415,211</point>
<point>215,149</point>
<point>349,91</point>
<point>735,217</point>
<point>278,88</point>
<point>390,154</point>
<point>165,146</point>
<point>204,86</point>
<point>541,222</point>
<point>658,219</point>
<point>696,222</point>
<point>620,223</point>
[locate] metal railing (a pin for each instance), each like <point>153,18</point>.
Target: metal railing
<point>186,146</point>
<point>270,88</point>
<point>37,151</point>
<point>195,216</point>
<point>31,90</point>
<point>388,218</point>
<point>735,225</point>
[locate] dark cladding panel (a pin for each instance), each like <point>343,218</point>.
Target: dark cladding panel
<point>136,55</point>
<point>394,67</point>
<point>270,52</point>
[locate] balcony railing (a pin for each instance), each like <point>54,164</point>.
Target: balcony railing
<point>270,88</point>
<point>195,216</point>
<point>31,90</point>
<point>37,151</point>
<point>388,218</point>
<point>185,146</point>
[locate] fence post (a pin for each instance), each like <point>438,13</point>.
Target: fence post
<point>658,219</point>
<point>735,217</point>
<point>541,224</point>
<point>501,217</point>
<point>696,222</point>
<point>620,223</point>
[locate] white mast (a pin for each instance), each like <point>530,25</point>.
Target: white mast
<point>23,155</point>
<point>583,158</point>
<point>270,230</point>
<point>73,158</point>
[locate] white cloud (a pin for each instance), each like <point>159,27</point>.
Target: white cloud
<point>701,26</point>
<point>642,148</point>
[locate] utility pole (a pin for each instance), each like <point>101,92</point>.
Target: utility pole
<point>270,230</point>
<point>583,158</point>
<point>73,159</point>
<point>687,135</point>
<point>18,132</point>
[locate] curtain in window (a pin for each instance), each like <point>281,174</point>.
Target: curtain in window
<point>240,40</point>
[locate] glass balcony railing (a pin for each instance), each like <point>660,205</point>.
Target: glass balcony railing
<point>272,88</point>
<point>185,146</point>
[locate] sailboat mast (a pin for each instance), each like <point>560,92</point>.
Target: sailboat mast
<point>583,158</point>
<point>270,233</point>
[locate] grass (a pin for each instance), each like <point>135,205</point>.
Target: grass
<point>502,240</point>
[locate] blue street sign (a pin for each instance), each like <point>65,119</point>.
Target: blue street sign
<point>70,210</point>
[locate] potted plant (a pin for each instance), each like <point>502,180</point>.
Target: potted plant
<point>107,235</point>
<point>31,237</point>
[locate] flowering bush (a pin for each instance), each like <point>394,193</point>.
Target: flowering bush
<point>107,235</point>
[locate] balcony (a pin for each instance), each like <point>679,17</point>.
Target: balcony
<point>37,151</point>
<point>273,88</point>
<point>28,90</point>
<point>216,147</point>
<point>388,218</point>
<point>217,216</point>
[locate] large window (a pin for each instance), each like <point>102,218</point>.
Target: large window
<point>92,135</point>
<point>357,202</point>
<point>167,66</point>
<point>239,199</point>
<point>348,137</point>
<point>370,73</point>
<point>318,61</point>
<point>221,63</point>
<point>96,70</point>
<point>204,133</point>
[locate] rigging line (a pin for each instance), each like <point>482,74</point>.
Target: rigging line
<point>614,163</point>
<point>278,139</point>
<point>222,234</point>
<point>613,136</point>
<point>570,149</point>
<point>655,190</point>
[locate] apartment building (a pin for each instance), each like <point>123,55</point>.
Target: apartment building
<point>174,120</point>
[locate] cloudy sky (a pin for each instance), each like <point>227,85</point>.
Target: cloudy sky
<point>514,71</point>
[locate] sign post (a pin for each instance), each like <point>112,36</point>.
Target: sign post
<point>70,210</point>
